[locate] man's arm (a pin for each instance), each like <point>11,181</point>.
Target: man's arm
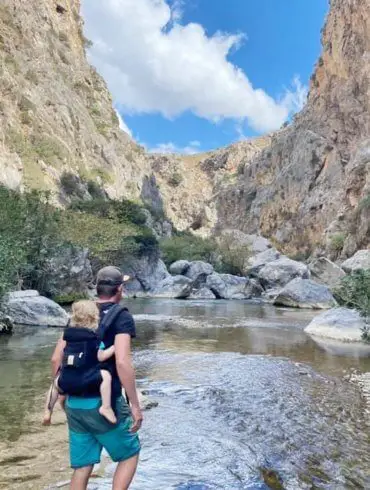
<point>56,358</point>
<point>126,375</point>
<point>105,354</point>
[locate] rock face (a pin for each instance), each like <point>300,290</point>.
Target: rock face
<point>326,272</point>
<point>280,272</point>
<point>69,272</point>
<point>361,260</point>
<point>283,192</point>
<point>257,262</point>
<point>338,324</point>
<point>304,293</point>
<point>29,308</point>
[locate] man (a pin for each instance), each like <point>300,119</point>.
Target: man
<point>89,432</point>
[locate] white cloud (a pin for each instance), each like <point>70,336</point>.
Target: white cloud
<point>154,64</point>
<point>122,125</point>
<point>191,149</point>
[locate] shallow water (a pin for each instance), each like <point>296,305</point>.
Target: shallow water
<point>246,399</point>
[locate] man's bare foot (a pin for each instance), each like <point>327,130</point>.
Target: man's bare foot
<point>108,413</point>
<point>46,420</point>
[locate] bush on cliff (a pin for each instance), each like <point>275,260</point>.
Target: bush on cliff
<point>354,292</point>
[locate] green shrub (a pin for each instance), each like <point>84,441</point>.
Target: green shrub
<point>337,243</point>
<point>365,202</point>
<point>233,258</point>
<point>68,299</point>
<point>71,185</point>
<point>47,147</point>
<point>175,179</point>
<point>186,246</point>
<point>95,190</point>
<point>354,292</point>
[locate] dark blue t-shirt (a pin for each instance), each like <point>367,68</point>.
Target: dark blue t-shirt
<point>123,324</point>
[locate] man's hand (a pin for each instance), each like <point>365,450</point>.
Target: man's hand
<point>137,416</point>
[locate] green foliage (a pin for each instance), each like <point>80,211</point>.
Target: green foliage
<point>365,202</point>
<point>48,148</point>
<point>186,246</point>
<point>28,235</point>
<point>337,242</point>
<point>94,110</point>
<point>71,184</point>
<point>354,292</point>
<point>233,257</point>
<point>102,128</point>
<point>124,211</point>
<point>95,190</point>
<point>68,299</point>
<point>175,179</point>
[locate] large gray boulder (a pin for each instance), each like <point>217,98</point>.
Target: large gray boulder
<point>304,293</point>
<point>149,271</point>
<point>361,260</point>
<point>255,243</point>
<point>175,287</point>
<point>180,267</point>
<point>338,324</point>
<point>280,272</point>
<point>29,308</point>
<point>324,271</point>
<point>68,272</point>
<point>226,286</point>
<point>202,293</point>
<point>197,269</point>
<point>257,262</point>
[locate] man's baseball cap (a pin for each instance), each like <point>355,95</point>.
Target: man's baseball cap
<point>111,276</point>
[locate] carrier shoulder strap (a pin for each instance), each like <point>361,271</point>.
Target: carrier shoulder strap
<point>109,318</point>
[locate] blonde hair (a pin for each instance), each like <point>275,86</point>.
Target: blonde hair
<point>85,314</point>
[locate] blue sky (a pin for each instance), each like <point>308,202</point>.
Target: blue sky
<point>177,82</point>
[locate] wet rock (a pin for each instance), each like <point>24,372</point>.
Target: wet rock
<point>202,293</point>
<point>29,308</point>
<point>338,324</point>
<point>361,260</point>
<point>180,267</point>
<point>226,286</point>
<point>258,261</point>
<point>6,325</point>
<point>198,268</point>
<point>324,271</point>
<point>176,287</point>
<point>280,272</point>
<point>304,293</point>
<point>146,403</point>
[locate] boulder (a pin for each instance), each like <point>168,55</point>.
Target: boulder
<point>176,287</point>
<point>338,324</point>
<point>258,261</point>
<point>326,272</point>
<point>148,270</point>
<point>69,272</point>
<point>256,243</point>
<point>226,286</point>
<point>29,308</point>
<point>202,293</point>
<point>361,260</point>
<point>180,267</point>
<point>6,325</point>
<point>304,293</point>
<point>198,268</point>
<point>280,272</point>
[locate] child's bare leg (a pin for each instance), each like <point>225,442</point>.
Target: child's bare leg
<point>105,391</point>
<point>51,400</point>
<point>62,402</point>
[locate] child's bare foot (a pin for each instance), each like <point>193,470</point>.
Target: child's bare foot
<point>108,413</point>
<point>46,420</point>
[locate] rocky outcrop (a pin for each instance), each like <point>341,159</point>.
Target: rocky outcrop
<point>257,262</point>
<point>180,267</point>
<point>176,287</point>
<point>361,260</point>
<point>226,286</point>
<point>304,293</point>
<point>326,272</point>
<point>283,193</point>
<point>280,272</point>
<point>198,269</point>
<point>29,308</point>
<point>338,324</point>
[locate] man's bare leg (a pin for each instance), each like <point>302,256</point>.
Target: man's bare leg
<point>124,473</point>
<point>80,478</point>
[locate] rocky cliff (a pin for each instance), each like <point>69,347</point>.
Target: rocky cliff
<point>310,189</point>
<point>56,113</point>
<point>306,187</point>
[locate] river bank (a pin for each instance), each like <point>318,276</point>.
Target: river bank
<point>267,395</point>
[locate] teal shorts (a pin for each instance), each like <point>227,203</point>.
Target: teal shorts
<point>89,432</point>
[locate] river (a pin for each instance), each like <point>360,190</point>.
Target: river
<point>246,401</point>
